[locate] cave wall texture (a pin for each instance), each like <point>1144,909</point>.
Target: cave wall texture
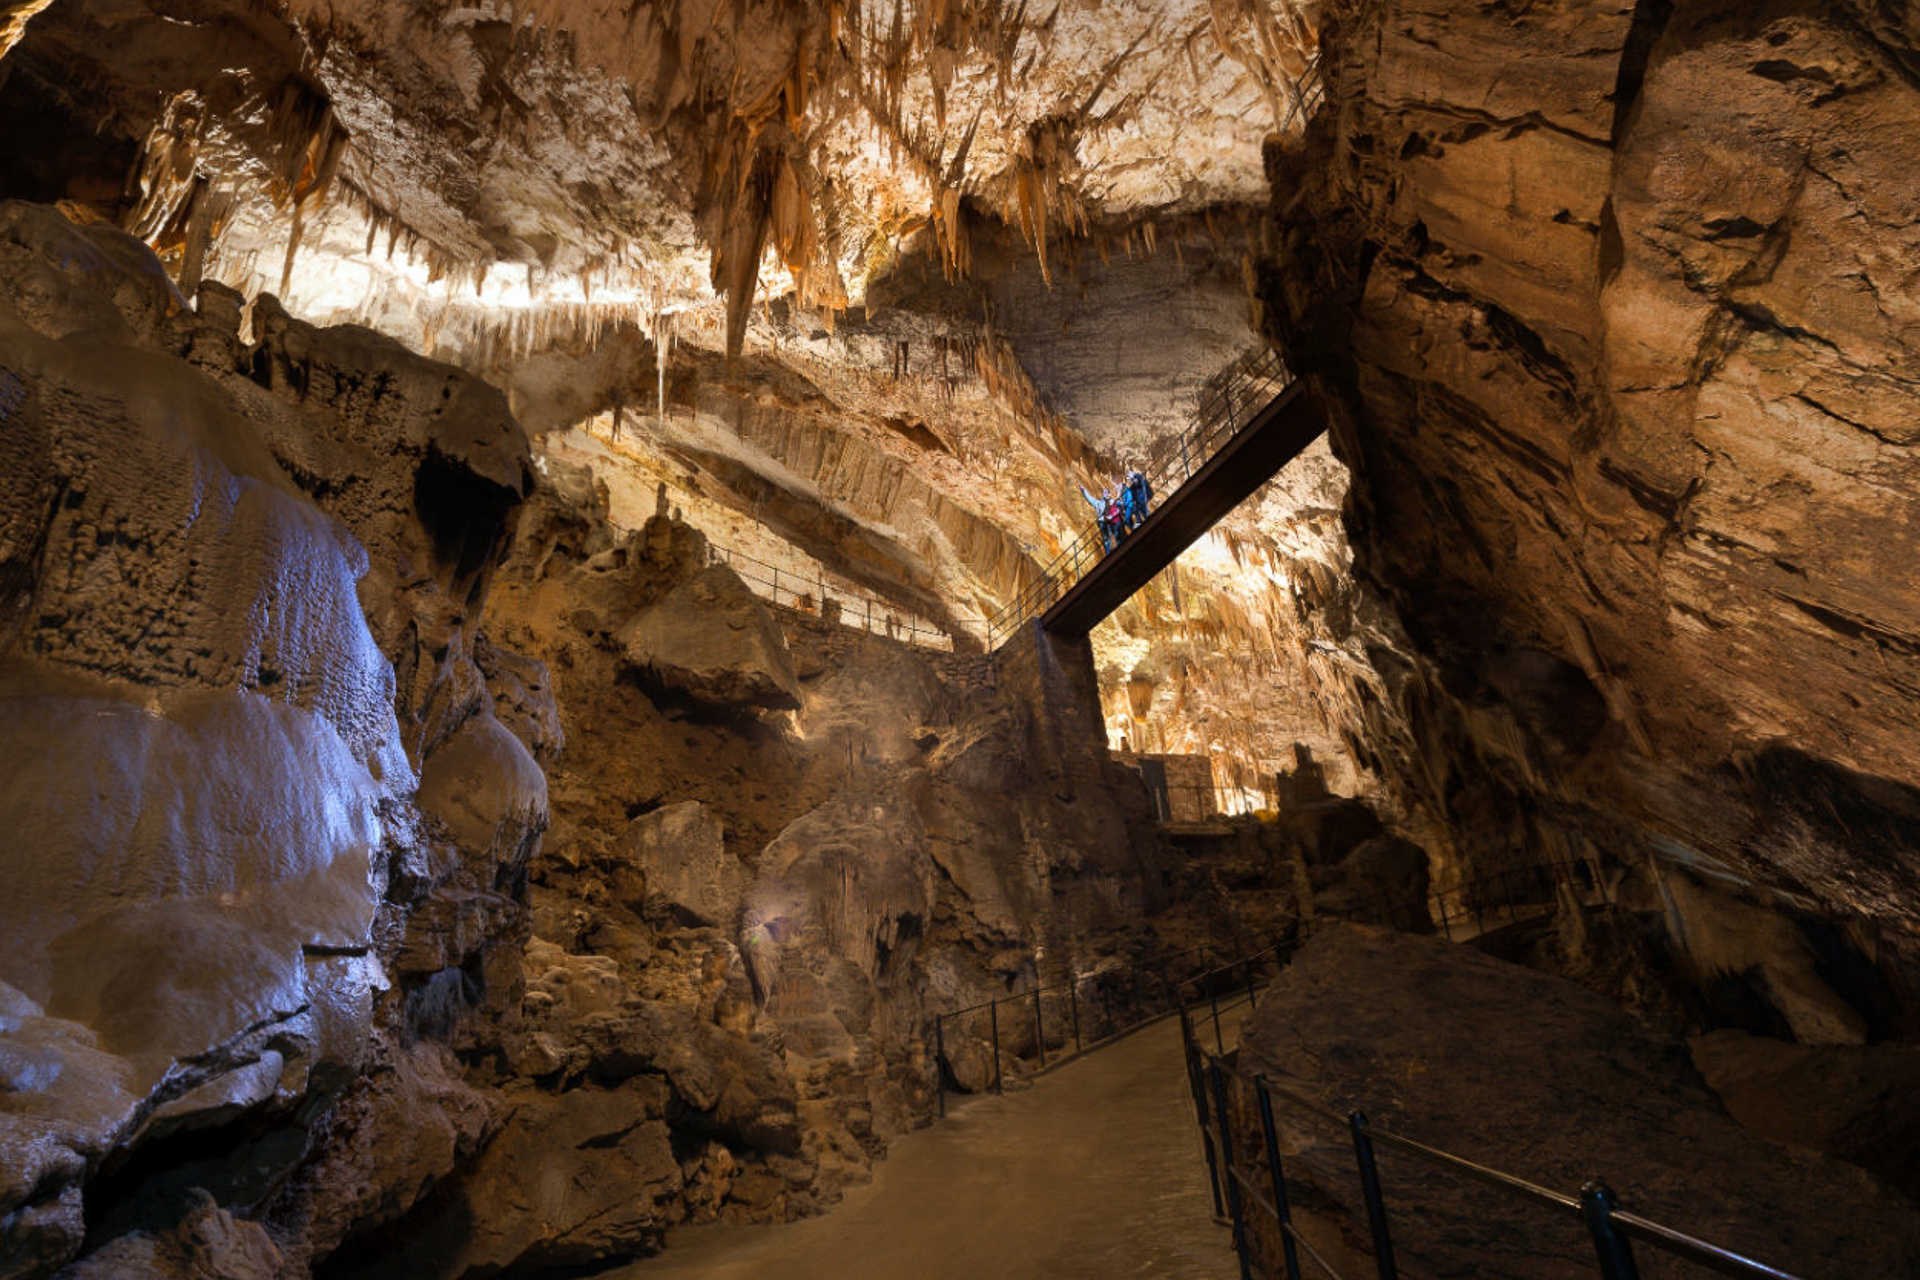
<point>963,219</point>
<point>384,822</point>
<point>1619,307</point>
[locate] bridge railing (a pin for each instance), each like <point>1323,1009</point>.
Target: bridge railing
<point>1233,401</point>
<point>810,594</point>
<point>1232,1104</point>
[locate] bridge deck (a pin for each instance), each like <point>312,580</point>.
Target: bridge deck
<point>1276,435</point>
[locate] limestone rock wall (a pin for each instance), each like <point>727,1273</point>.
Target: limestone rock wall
<point>1611,298</point>
<point>386,823</point>
<point>220,548</point>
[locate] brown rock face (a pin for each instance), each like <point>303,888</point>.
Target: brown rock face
<point>1616,298</point>
<point>241,574</point>
<point>291,928</point>
<point>1563,1089</point>
<point>710,639</point>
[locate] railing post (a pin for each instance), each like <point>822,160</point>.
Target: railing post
<point>1196,1083</point>
<point>1073,1004</point>
<point>1226,1165</point>
<point>993,1019</point>
<point>1039,1033</point>
<point>1289,1254</point>
<point>1370,1189</point>
<point>1609,1246</point>
<point>939,1062</point>
<point>1213,998</point>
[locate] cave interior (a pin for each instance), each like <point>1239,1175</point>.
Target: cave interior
<point>528,720</point>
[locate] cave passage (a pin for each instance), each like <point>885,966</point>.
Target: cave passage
<point>1094,1171</point>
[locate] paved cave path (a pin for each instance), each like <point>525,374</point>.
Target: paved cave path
<point>1091,1173</point>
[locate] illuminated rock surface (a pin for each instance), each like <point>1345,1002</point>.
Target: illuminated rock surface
<point>1625,358</point>
<point>287,931</point>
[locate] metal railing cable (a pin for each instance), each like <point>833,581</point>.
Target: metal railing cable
<point>1474,904</point>
<point>1236,400</point>
<point>809,594</point>
<point>1104,1030</point>
<point>1234,1183</point>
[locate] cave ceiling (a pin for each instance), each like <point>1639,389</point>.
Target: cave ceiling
<point>544,165</point>
<point>866,287</point>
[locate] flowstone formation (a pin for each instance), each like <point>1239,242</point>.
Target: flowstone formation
<point>414,873</point>
<point>1609,303</point>
<point>210,764</point>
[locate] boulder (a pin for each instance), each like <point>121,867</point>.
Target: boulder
<point>360,1178</point>
<point>1858,1103</point>
<point>482,782</point>
<point>712,641</point>
<point>573,1178</point>
<point>1330,829</point>
<point>689,874</point>
<point>1541,1078</point>
<point>208,1244</point>
<point>1383,881</point>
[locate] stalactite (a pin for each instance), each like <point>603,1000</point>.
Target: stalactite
<point>200,222</point>
<point>662,345</point>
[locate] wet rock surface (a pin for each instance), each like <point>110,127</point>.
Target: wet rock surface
<point>206,770</point>
<point>1535,1076</point>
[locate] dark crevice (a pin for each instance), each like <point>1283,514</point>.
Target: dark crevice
<point>1650,18</point>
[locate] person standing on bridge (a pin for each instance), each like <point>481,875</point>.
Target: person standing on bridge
<point>1100,505</point>
<point>1142,494</point>
<point>1127,518</point>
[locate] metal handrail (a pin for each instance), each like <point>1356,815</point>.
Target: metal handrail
<point>802,589</point>
<point>1203,980</point>
<point>1033,995</point>
<point>1608,1226</point>
<point>1246,388</point>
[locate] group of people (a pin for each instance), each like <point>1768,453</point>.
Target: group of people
<point>1119,513</point>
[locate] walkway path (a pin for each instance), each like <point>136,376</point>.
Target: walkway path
<point>1093,1173</point>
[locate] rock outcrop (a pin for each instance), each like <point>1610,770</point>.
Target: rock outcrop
<point>368,785</point>
<point>210,771</point>
<point>1533,1075</point>
<point>710,639</point>
<point>1606,298</point>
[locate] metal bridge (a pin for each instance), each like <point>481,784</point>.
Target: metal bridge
<point>1258,419</point>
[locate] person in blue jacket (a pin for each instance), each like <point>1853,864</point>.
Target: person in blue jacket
<point>1142,494</point>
